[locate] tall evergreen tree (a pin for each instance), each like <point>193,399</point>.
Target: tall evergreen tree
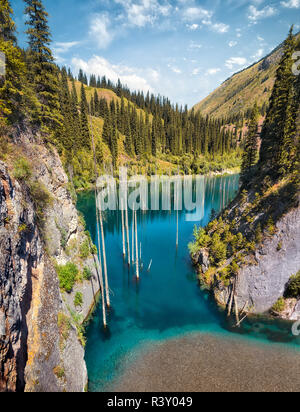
<point>276,133</point>
<point>251,144</point>
<point>43,74</point>
<point>84,122</point>
<point>11,83</point>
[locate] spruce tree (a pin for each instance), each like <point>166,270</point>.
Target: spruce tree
<point>43,74</point>
<point>84,122</point>
<point>11,84</point>
<point>276,130</point>
<point>251,145</point>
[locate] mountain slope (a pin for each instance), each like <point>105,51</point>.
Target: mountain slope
<point>238,93</point>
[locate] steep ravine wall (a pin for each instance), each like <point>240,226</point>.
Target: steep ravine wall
<point>262,282</point>
<point>36,354</point>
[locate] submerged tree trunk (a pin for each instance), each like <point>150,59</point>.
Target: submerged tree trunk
<point>98,236</point>
<point>136,247</point>
<point>127,234</point>
<point>123,231</point>
<point>104,259</point>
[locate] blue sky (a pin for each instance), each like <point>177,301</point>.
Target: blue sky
<point>182,49</point>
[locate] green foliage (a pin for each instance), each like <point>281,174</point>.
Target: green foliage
<point>279,306</point>
<point>87,273</point>
<point>85,249</point>
<point>218,249</point>
<point>42,72</point>
<point>59,372</point>
<point>279,143</point>
<point>41,198</point>
<point>22,169</point>
<point>293,289</point>
<point>64,326</point>
<point>67,276</point>
<point>78,300</point>
<point>251,145</point>
<point>270,226</point>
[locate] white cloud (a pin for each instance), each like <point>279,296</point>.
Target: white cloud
<point>132,77</point>
<point>99,30</point>
<point>213,71</point>
<point>220,27</point>
<point>259,54</point>
<point>235,61</point>
<point>197,13</point>
<point>61,48</point>
<point>255,14</point>
<point>291,4</point>
<point>217,27</point>
<point>192,27</point>
<point>143,12</point>
<point>232,43</point>
<point>195,72</point>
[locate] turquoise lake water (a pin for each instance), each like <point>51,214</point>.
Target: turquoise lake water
<point>167,301</point>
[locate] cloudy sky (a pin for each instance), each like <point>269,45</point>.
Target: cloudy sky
<point>182,49</point>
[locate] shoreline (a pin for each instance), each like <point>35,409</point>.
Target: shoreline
<point>211,363</point>
<point>224,173</point>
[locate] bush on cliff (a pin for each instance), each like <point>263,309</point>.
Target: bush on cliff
<point>293,289</point>
<point>67,276</point>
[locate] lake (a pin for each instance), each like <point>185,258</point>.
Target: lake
<point>167,302</point>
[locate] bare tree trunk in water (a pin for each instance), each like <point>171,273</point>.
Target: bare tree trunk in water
<point>104,260</point>
<point>123,231</point>
<point>136,247</point>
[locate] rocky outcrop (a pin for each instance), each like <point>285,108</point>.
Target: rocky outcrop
<point>263,280</point>
<point>37,353</point>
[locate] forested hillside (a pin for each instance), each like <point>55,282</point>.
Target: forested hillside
<point>147,133</point>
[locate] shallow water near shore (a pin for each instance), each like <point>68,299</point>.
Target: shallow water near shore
<point>167,302</point>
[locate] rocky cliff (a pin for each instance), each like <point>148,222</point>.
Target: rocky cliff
<point>248,255</point>
<point>41,342</point>
<point>262,281</point>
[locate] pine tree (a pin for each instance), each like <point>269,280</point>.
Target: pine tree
<point>11,83</point>
<point>251,144</point>
<point>84,125</point>
<point>43,74</point>
<point>276,133</point>
<point>7,25</point>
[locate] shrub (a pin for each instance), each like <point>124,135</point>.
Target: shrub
<point>218,249</point>
<point>279,305</point>
<point>78,300</point>
<point>59,372</point>
<point>64,326</point>
<point>293,289</point>
<point>85,249</point>
<point>67,276</point>
<point>270,226</point>
<point>87,273</point>
<point>22,169</point>
<point>41,198</point>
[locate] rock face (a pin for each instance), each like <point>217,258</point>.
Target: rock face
<point>36,354</point>
<point>263,282</point>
